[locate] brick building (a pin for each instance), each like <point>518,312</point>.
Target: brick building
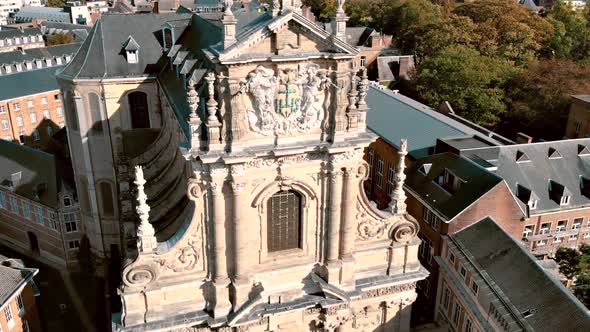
<point>578,121</point>
<point>31,109</point>
<point>447,193</point>
<point>38,207</point>
<point>18,309</point>
<point>12,39</point>
<point>489,282</point>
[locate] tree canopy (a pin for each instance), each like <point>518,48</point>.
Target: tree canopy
<point>60,38</point>
<point>56,3</point>
<point>575,265</point>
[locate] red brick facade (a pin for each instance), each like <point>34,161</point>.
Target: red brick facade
<point>20,313</point>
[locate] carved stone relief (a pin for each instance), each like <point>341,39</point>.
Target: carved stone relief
<point>377,292</point>
<point>186,258</point>
<point>287,102</point>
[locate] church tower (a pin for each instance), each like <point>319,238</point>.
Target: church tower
<point>277,234</point>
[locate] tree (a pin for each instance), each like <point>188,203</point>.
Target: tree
<point>324,10</point>
<point>60,38</point>
<point>574,264</point>
<point>471,82</point>
<point>539,97</point>
<point>571,37</point>
<point>56,3</point>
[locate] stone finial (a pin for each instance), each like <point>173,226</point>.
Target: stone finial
<point>146,239</point>
<point>275,7</point>
<point>340,6</point>
<point>398,197</point>
<point>339,23</point>
<point>293,5</point>
<point>192,99</point>
<point>352,94</point>
<point>211,103</point>
<point>227,7</point>
<point>363,88</point>
<point>229,23</point>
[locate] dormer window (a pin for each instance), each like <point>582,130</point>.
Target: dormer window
<point>19,67</point>
<point>25,39</point>
<point>132,50</point>
<point>1,42</point>
<point>8,69</point>
<point>58,60</point>
<point>48,62</point>
<point>565,200</point>
<point>168,38</point>
<point>29,65</point>
<point>39,63</point>
<point>532,204</point>
<point>559,193</point>
<point>449,181</point>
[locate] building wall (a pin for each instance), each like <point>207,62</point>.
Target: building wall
<point>578,121</point>
<point>52,237</point>
<point>7,7</point>
<point>32,111</point>
<point>570,237</point>
<point>28,315</point>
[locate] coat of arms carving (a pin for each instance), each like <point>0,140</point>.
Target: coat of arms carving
<point>290,101</point>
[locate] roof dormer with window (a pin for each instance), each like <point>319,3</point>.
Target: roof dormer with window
<point>132,50</point>
<point>559,193</point>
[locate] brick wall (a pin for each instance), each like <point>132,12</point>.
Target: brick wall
<point>28,315</point>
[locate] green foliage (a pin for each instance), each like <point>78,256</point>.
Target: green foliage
<point>60,38</point>
<point>470,81</point>
<point>56,3</point>
<point>372,13</point>
<point>571,38</point>
<point>324,10</point>
<point>575,264</point>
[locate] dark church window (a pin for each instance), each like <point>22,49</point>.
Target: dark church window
<point>138,106</point>
<point>284,221</point>
<point>106,195</point>
<point>94,102</point>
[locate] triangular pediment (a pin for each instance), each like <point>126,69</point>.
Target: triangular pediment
<point>289,35</point>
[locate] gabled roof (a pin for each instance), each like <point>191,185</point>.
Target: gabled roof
<point>552,153</point>
<point>477,181</point>
<point>13,275</point>
<point>131,44</point>
<point>12,33</point>
<point>515,278</point>
<point>522,157</point>
<point>32,54</point>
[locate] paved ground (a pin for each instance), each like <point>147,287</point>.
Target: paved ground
<point>67,302</point>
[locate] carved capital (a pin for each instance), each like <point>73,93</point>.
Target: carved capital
<point>194,191</point>
<point>404,231</point>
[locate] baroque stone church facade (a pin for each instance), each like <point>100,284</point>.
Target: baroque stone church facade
<point>230,145</point>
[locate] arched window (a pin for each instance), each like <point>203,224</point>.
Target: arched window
<point>284,221</point>
<point>94,102</point>
<point>138,107</point>
<point>106,198</point>
<point>167,38</point>
<point>72,117</point>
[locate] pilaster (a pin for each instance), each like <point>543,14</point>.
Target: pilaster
<point>347,231</point>
<point>240,224</point>
<point>333,264</point>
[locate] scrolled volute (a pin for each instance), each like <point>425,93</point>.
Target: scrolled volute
<point>403,231</point>
<point>139,275</point>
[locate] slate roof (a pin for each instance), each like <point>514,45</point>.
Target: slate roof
<point>477,182</point>
<point>394,116</point>
<point>102,55</point>
<point>16,33</point>
<point>32,54</point>
<point>38,169</point>
<point>29,82</point>
<point>12,276</point>
<point>536,174</point>
<point>80,31</point>
<point>516,277</point>
<point>28,14</point>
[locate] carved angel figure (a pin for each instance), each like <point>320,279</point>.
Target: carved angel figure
<point>313,85</point>
<point>261,83</point>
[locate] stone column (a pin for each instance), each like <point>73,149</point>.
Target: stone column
<point>221,280</point>
<point>347,230</point>
<point>333,263</point>
<point>241,285</point>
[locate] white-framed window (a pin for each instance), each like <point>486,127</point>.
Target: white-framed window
<point>30,104</point>
<point>561,225</point>
<point>19,121</point>
<point>474,288</point>
<point>456,314</point>
<point>52,220</point>
<point>67,200</point>
<point>390,180</point>
<point>587,235</point>
<point>577,223</point>
<point>5,125</point>
<point>541,243</point>
<point>2,109</point>
<point>44,100</point>
<point>26,209</point>
<point>8,69</point>
<point>532,204</point>
<point>36,136</point>
<point>558,239</point>
<point>75,244</point>
<point>573,237</point>
<point>528,231</point>
<point>468,325</point>
<point>46,114</point>
<point>463,272</point>
<point>16,106</point>
<point>426,250</point>
<point>71,222</point>
<point>565,200</point>
<point>19,67</point>
<point>25,39</point>
<point>49,130</point>
<point>371,161</point>
<point>20,304</point>
<point>60,112</point>
<point>449,181</point>
<point>545,228</point>
<point>9,317</point>
<point>363,60</point>
<point>380,166</point>
<point>39,215</point>
<point>33,117</point>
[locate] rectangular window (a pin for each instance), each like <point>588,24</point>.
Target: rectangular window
<point>60,112</point>
<point>14,205</point>
<point>463,272</point>
<point>5,125</point>
<point>468,325</point>
<point>30,104</point>
<point>33,117</point>
<point>67,200</point>
<point>8,314</point>
<point>16,106</point>
<point>426,214</point>
<point>70,222</point>
<point>46,114</point>
<point>2,109</point>
<point>452,258</point>
<point>44,100</point>
<point>545,228</point>
<point>428,249</point>
<point>573,237</point>
<point>51,220</point>
<point>587,235</point>
<point>456,314</point>
<point>379,178</point>
<point>26,210</point>
<point>39,215</point>
<point>19,121</point>
<point>36,136</point>
<point>474,288</point>
<point>557,239</point>
<point>541,243</point>
<point>528,231</point>
<point>577,223</point>
<point>390,180</point>
<point>19,303</point>
<point>446,298</point>
<point>3,204</point>
<point>561,225</point>
<point>72,245</point>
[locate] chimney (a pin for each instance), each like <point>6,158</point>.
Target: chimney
<point>156,7</point>
<point>522,138</point>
